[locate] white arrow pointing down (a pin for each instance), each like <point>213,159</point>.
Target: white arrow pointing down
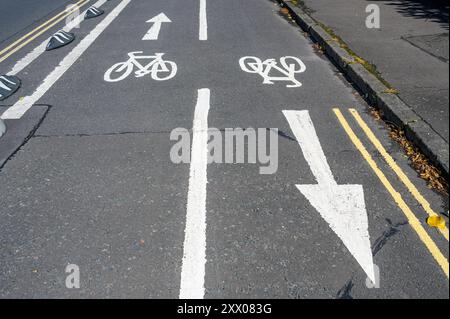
<point>342,206</point>
<point>157,21</point>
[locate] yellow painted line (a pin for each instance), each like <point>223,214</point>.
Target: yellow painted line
<point>37,28</point>
<point>401,175</point>
<point>17,45</point>
<point>412,219</point>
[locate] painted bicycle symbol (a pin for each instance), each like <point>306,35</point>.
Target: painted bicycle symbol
<point>158,68</point>
<point>289,67</point>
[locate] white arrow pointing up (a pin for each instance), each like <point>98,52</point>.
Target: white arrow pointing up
<point>342,206</point>
<point>157,21</point>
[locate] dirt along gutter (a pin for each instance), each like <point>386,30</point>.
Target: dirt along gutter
<point>427,150</point>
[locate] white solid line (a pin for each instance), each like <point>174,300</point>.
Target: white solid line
<point>33,55</point>
<point>194,249</point>
<point>19,108</point>
<point>203,32</point>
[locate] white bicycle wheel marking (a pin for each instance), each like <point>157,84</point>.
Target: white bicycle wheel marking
<point>158,68</point>
<point>288,68</point>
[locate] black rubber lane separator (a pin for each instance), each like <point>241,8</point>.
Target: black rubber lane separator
<point>59,39</point>
<point>8,86</point>
<point>93,12</point>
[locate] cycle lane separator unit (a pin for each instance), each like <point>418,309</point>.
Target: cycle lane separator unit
<point>40,49</point>
<point>19,131</point>
<point>20,45</point>
<point>30,33</point>
<point>21,107</point>
<point>192,284</point>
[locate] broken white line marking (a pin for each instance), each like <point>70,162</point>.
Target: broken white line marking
<point>203,32</point>
<point>194,249</point>
<point>21,107</point>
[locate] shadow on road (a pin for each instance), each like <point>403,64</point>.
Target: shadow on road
<point>431,10</point>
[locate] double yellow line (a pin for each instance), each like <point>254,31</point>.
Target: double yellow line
<point>412,219</point>
<point>33,34</point>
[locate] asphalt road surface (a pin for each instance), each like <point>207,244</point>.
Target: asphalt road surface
<point>20,17</point>
<point>332,211</point>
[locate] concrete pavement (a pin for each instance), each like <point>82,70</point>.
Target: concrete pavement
<point>95,185</point>
<point>410,49</point>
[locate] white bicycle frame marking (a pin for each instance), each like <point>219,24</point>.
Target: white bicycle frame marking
<point>155,67</point>
<point>290,66</point>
